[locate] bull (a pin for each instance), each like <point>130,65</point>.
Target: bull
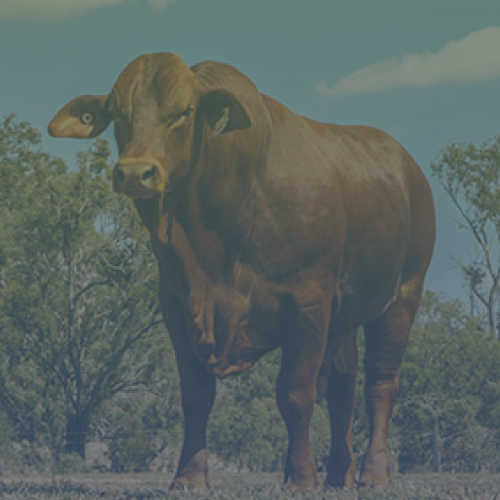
<point>271,231</point>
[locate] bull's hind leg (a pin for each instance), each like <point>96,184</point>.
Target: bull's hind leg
<point>340,397</point>
<point>386,340</point>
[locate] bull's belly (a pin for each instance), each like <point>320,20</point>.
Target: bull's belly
<point>245,347</point>
<point>246,325</point>
<point>251,320</point>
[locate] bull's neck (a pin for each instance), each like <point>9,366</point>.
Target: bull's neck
<point>214,211</point>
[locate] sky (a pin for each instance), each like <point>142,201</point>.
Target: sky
<point>426,71</point>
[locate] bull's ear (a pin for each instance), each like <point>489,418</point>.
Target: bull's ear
<point>83,117</point>
<point>224,112</point>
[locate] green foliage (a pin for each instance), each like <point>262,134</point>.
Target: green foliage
<point>470,175</point>
<point>132,453</point>
<point>78,295</point>
<point>69,463</point>
<point>140,429</point>
<point>447,411</point>
<point>246,427</point>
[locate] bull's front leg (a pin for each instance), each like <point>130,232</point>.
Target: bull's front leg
<point>198,395</point>
<point>303,351</point>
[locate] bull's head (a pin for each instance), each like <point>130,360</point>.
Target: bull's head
<point>157,104</point>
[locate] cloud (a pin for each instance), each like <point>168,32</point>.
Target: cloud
<point>473,58</point>
<point>57,10</point>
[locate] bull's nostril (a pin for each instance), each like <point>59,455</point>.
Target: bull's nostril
<point>136,179</point>
<point>150,173</point>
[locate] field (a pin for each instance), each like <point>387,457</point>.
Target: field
<point>242,486</point>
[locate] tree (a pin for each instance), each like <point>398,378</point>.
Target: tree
<point>470,175</point>
<point>447,411</point>
<point>245,427</point>
<point>78,308</point>
<point>19,149</point>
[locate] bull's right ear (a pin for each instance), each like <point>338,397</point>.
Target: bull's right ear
<point>224,112</point>
<point>82,118</point>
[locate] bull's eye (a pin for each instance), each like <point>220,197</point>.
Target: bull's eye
<point>87,118</point>
<point>176,117</point>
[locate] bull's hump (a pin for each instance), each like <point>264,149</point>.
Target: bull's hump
<point>213,74</point>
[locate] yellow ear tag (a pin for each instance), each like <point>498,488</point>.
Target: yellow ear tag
<point>221,123</point>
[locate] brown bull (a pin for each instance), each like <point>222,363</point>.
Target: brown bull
<point>271,231</point>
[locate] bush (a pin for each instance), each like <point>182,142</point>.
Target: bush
<point>132,453</point>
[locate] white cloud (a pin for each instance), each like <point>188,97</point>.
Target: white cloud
<point>473,58</point>
<point>57,10</point>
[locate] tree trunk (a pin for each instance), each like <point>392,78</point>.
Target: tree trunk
<point>76,435</point>
<point>436,447</point>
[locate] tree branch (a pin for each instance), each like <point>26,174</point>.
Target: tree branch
<point>85,289</point>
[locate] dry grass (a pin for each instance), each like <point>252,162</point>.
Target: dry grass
<point>242,486</point>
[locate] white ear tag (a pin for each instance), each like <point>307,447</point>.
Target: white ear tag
<point>221,123</point>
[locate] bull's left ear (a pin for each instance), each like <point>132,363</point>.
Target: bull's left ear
<point>224,112</point>
<point>82,118</point>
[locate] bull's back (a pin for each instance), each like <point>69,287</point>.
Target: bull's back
<point>357,195</point>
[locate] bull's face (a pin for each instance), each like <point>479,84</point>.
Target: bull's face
<point>159,110</point>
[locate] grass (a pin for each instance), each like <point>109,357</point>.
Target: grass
<point>242,486</point>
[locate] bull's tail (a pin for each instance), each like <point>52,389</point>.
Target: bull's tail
<point>340,351</point>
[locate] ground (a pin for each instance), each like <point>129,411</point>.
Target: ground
<point>242,486</point>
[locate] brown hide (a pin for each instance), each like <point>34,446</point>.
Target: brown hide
<point>271,231</point>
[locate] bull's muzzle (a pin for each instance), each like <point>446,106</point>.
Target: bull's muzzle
<point>137,180</point>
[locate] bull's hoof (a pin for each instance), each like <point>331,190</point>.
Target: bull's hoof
<point>303,486</point>
<point>301,476</point>
<point>373,482</point>
<point>341,478</point>
<point>375,472</point>
<point>184,484</point>
<point>300,487</point>
<point>340,483</point>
